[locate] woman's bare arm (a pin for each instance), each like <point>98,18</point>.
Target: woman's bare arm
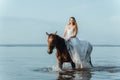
<point>74,33</point>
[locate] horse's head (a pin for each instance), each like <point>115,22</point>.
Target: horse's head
<point>51,42</point>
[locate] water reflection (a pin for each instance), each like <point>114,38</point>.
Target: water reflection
<point>84,74</point>
<point>75,75</point>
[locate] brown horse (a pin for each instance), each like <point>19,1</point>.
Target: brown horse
<point>55,41</point>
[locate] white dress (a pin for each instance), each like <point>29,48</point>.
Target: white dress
<point>79,50</point>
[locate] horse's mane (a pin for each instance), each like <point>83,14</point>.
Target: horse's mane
<point>60,41</point>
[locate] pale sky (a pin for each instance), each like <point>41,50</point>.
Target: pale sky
<point>26,21</point>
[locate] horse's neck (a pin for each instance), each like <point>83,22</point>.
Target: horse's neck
<point>60,43</point>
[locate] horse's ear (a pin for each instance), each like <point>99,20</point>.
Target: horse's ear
<point>55,33</point>
<point>47,34</point>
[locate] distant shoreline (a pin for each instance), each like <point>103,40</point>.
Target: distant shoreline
<point>45,45</point>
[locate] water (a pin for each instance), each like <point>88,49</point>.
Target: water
<point>34,63</point>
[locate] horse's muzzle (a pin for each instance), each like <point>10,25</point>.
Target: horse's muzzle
<point>50,52</point>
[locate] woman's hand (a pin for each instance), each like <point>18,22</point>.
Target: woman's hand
<point>69,38</point>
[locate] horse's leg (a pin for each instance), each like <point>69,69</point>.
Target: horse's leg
<point>60,63</point>
<point>73,65</point>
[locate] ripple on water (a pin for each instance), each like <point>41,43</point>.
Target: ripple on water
<point>111,69</point>
<point>82,74</point>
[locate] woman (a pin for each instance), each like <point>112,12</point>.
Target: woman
<point>79,50</point>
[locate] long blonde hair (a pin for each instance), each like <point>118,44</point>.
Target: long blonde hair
<point>75,23</point>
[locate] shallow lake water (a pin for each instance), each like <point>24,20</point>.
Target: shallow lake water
<point>34,63</point>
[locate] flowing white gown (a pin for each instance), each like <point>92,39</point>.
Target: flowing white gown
<point>79,50</point>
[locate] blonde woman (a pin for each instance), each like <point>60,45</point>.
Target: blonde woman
<point>79,50</point>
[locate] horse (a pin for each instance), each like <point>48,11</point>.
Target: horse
<point>62,53</point>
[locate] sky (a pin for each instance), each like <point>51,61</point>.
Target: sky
<point>27,21</point>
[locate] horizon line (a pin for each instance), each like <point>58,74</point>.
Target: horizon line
<point>45,45</point>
